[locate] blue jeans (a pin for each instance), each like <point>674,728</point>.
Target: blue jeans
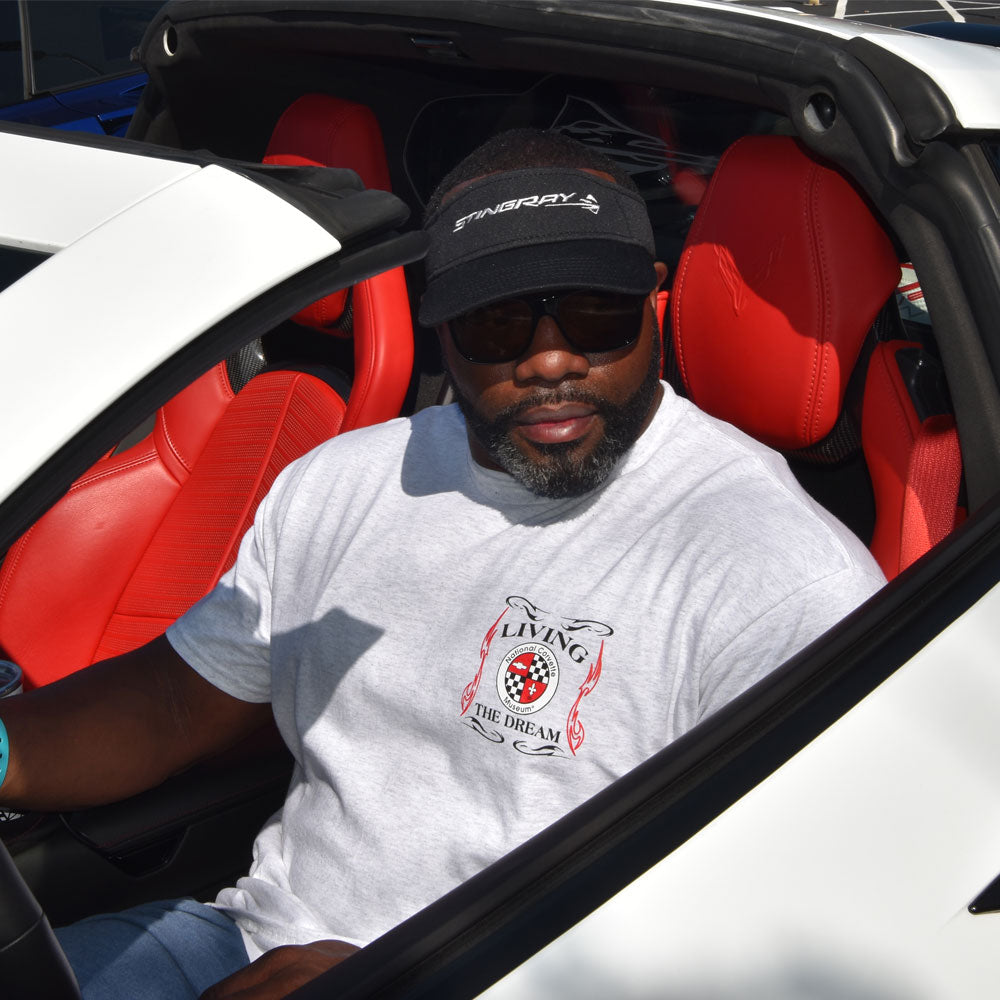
<point>171,950</point>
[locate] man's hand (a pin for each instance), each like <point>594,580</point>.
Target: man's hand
<point>280,971</point>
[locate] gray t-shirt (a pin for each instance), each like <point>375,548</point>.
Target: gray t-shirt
<point>455,662</point>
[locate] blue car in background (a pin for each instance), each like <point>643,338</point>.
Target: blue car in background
<point>68,65</point>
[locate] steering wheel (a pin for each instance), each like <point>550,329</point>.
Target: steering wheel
<point>31,962</point>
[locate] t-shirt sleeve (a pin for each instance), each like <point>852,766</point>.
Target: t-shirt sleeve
<point>782,631</point>
<point>226,636</point>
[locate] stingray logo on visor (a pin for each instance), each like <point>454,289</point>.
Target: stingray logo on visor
<point>587,202</point>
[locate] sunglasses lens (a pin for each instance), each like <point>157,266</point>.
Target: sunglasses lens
<point>591,321</point>
<point>498,332</point>
<point>600,321</point>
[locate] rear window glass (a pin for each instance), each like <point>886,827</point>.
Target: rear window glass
<point>73,42</point>
<point>77,42</point>
<point>11,71</point>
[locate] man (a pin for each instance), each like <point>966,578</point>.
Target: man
<point>464,623</point>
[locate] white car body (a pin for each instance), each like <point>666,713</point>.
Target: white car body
<point>187,245</point>
<point>848,871</point>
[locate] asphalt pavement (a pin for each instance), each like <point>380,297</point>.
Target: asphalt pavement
<point>897,13</point>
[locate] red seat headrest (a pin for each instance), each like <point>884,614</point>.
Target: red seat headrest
<point>335,133</point>
<point>324,131</point>
<point>782,275</point>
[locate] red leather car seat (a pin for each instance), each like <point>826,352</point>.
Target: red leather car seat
<point>783,273</point>
<point>322,130</point>
<point>146,532</point>
<point>912,450</point>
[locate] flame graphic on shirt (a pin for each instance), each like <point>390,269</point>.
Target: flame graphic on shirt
<point>575,732</point>
<point>473,686</point>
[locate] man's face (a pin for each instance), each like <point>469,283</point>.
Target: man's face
<point>555,419</point>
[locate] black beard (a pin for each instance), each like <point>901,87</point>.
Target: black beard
<point>559,473</point>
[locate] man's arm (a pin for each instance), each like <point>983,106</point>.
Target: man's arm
<point>117,728</point>
<point>280,971</point>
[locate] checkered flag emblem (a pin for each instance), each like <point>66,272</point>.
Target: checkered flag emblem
<point>527,678</point>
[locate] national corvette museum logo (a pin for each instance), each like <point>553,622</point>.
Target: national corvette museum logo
<point>527,678</point>
<point>532,654</point>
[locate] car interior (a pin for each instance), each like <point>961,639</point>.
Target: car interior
<point>820,356</point>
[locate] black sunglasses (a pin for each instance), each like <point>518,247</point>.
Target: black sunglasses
<point>591,321</point>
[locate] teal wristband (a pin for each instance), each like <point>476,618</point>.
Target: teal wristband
<point>4,751</point>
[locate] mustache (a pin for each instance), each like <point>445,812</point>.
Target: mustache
<point>550,397</point>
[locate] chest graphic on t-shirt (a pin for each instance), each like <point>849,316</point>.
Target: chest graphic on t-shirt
<point>535,671</point>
